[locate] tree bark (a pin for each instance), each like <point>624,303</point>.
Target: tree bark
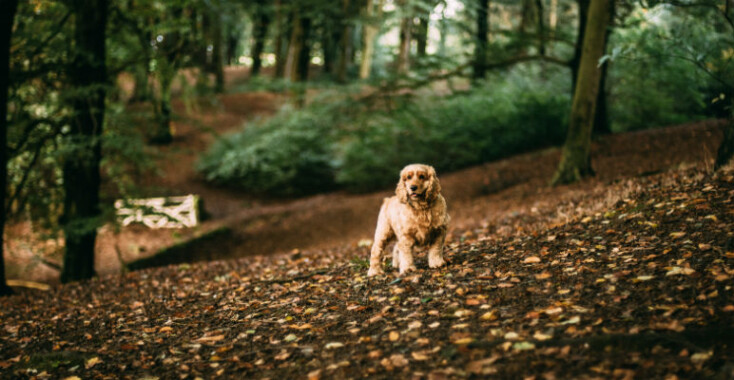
<point>480,50</point>
<point>81,167</point>
<point>345,42</point>
<point>217,52</point>
<point>421,37</point>
<point>304,59</point>
<point>583,8</point>
<point>576,158</point>
<point>403,65</point>
<point>370,33</point>
<point>540,13</point>
<point>7,12</point>
<point>281,48</point>
<point>262,22</point>
<point>294,49</point>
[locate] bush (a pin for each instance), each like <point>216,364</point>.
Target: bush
<point>289,154</point>
<point>339,142</point>
<point>490,123</point>
<point>650,85</point>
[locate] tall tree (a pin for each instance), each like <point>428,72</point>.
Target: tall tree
<point>81,167</point>
<point>481,38</point>
<point>406,26</point>
<point>7,16</point>
<point>282,36</point>
<point>260,31</point>
<point>576,155</point>
<point>217,49</point>
<point>370,30</point>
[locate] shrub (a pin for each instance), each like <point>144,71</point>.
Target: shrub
<point>289,154</point>
<point>339,142</point>
<point>451,133</point>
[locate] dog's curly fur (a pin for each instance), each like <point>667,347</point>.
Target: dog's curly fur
<point>416,216</point>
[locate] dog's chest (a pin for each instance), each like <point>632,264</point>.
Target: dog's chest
<point>424,227</point>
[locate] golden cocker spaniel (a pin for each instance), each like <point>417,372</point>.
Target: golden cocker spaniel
<point>416,216</point>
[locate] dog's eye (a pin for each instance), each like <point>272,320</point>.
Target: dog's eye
<point>409,177</point>
<point>422,176</point>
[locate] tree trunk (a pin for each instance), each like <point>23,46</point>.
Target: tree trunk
<point>540,13</point>
<point>294,49</point>
<point>281,48</point>
<point>345,42</point>
<point>163,133</point>
<point>421,37</point>
<point>304,59</point>
<point>218,53</point>
<point>371,28</point>
<point>329,38</point>
<point>406,24</point>
<point>583,8</point>
<point>232,42</point>
<point>87,75</point>
<point>480,50</point>
<point>601,118</point>
<point>552,18</point>
<point>576,158</point>
<point>262,22</point>
<point>7,16</point>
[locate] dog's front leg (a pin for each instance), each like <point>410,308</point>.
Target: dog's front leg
<point>405,248</point>
<point>435,252</point>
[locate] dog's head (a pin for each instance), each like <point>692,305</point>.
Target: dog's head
<point>418,183</point>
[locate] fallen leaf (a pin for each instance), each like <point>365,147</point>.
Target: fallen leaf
<point>332,345</point>
<point>92,362</point>
<point>531,260</point>
<point>398,360</point>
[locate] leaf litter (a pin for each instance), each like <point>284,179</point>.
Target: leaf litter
<point>641,288</point>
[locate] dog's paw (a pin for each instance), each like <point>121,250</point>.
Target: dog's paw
<point>408,269</point>
<point>436,262</point>
<point>374,272</point>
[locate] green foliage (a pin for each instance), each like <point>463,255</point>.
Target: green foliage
<point>509,116</point>
<point>658,75</point>
<point>287,154</point>
<point>362,147</point>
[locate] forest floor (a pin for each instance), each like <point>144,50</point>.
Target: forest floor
<point>627,275</point>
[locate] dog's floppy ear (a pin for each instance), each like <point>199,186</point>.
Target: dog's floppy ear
<point>400,190</point>
<point>434,187</point>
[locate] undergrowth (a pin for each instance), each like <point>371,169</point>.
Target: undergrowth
<point>341,141</point>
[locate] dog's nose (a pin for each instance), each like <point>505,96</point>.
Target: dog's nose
<point>414,188</point>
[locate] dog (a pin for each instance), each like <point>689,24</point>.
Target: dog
<point>416,216</point>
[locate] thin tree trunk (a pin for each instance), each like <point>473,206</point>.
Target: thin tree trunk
<point>81,167</point>
<point>345,42</point>
<point>552,18</point>
<point>329,38</point>
<point>370,33</point>
<point>262,22</point>
<point>421,37</point>
<point>583,8</point>
<point>480,50</point>
<point>540,13</point>
<point>280,50</point>
<point>163,133</point>
<point>576,156</point>
<point>7,16</point>
<point>294,49</point>
<point>406,25</point>
<point>304,58</point>
<point>218,53</point>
